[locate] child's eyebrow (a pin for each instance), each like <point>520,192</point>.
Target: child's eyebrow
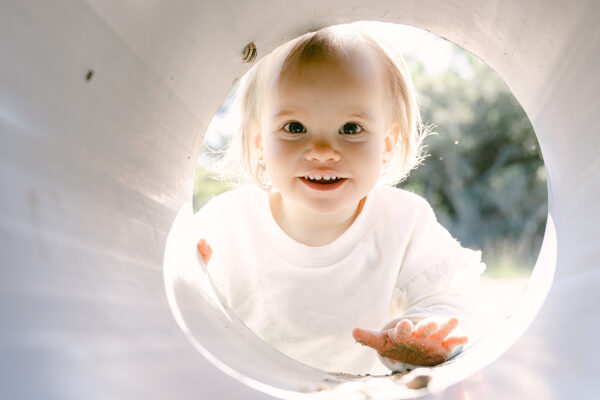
<point>360,115</point>
<point>285,113</point>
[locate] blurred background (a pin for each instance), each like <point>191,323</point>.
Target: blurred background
<point>483,175</point>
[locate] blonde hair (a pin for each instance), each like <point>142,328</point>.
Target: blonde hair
<point>240,163</point>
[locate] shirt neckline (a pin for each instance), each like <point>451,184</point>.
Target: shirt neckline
<point>316,256</point>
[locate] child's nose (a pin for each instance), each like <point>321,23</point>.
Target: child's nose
<point>322,152</point>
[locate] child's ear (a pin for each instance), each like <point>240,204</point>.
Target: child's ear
<point>391,138</point>
<point>258,145</point>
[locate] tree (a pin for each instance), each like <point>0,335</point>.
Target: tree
<point>484,174</point>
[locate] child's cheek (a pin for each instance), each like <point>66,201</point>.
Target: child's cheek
<point>280,158</point>
<point>282,150</point>
<point>366,155</point>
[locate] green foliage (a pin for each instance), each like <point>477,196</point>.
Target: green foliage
<point>484,174</point>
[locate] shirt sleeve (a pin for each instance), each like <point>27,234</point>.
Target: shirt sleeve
<point>443,289</point>
<point>438,279</point>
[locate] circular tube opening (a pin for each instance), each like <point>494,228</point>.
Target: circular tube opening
<point>219,335</point>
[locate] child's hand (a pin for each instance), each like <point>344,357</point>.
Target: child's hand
<point>427,344</point>
<point>205,250</point>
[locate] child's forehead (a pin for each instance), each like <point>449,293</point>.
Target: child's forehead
<point>357,67</point>
<point>332,87</point>
<point>340,77</point>
<point>343,79</point>
<point>353,58</point>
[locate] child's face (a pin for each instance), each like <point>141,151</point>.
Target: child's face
<point>331,119</point>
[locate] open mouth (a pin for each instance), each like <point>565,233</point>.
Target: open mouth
<point>323,183</point>
<point>323,180</point>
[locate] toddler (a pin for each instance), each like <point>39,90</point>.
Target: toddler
<point>318,255</point>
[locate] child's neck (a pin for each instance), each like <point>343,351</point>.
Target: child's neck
<point>309,228</point>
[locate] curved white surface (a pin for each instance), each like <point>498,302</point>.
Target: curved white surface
<point>93,173</point>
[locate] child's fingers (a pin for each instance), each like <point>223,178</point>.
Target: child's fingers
<point>403,329</point>
<point>445,329</point>
<point>203,247</point>
<point>425,329</point>
<point>372,339</point>
<point>450,343</point>
<point>205,250</point>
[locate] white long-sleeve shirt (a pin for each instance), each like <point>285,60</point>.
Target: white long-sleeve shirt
<point>394,260</point>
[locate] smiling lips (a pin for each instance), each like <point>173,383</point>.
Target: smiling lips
<point>326,182</point>
<point>323,179</point>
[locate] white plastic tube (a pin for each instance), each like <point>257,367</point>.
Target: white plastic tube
<point>102,109</point>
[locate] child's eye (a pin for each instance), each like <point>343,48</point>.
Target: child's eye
<point>350,128</point>
<point>294,127</point>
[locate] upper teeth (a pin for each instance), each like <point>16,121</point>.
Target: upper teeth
<point>319,177</point>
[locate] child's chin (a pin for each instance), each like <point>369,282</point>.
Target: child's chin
<point>330,207</point>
